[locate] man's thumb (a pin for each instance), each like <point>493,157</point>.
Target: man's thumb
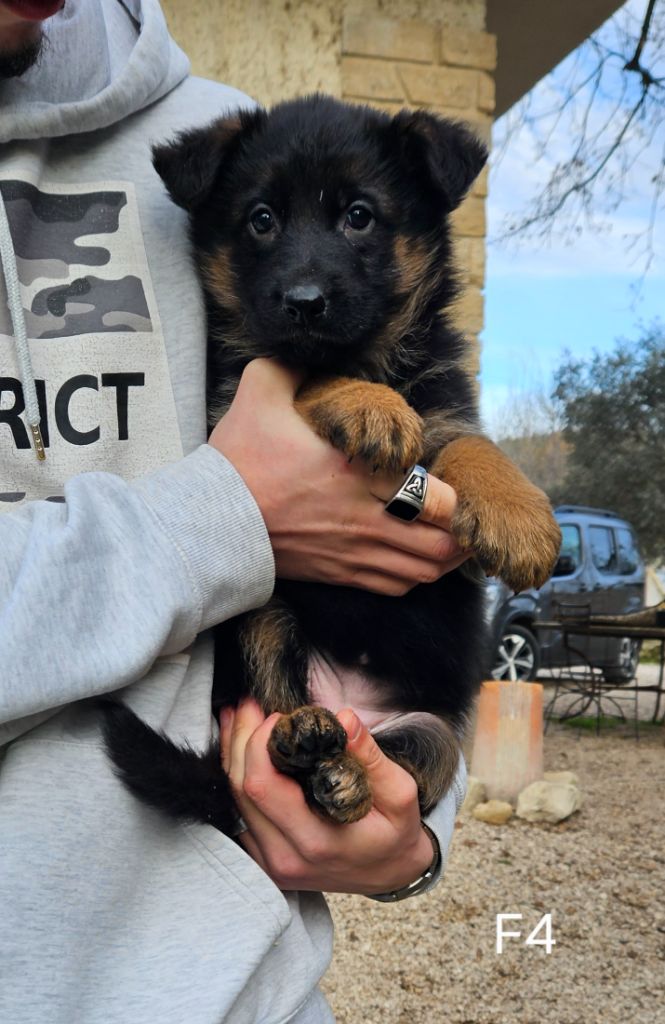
<point>394,790</point>
<point>271,381</point>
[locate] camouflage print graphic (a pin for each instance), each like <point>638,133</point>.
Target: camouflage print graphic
<point>49,233</point>
<point>97,348</point>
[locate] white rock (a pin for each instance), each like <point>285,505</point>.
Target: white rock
<point>548,801</point>
<point>475,794</point>
<point>494,812</point>
<point>570,777</point>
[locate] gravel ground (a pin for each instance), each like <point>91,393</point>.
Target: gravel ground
<point>601,875</point>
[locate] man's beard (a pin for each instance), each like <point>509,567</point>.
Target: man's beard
<point>16,63</point>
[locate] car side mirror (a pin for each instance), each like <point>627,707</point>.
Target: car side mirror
<point>565,566</point>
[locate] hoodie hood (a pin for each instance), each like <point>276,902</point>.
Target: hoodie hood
<point>103,60</point>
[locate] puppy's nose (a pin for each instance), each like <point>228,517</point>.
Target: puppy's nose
<point>304,302</point>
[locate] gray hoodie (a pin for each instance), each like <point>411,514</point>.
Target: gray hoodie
<point>119,550</point>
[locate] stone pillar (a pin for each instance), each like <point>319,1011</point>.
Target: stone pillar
<point>508,739</point>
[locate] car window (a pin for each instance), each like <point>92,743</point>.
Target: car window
<point>603,554</point>
<point>570,556</point>
<point>628,554</point>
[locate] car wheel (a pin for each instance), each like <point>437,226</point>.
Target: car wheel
<point>626,667</point>
<point>517,656</point>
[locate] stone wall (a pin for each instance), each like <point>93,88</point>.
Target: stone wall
<point>389,53</point>
<point>394,64</point>
<point>271,49</point>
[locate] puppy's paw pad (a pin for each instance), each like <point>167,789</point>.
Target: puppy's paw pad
<point>341,789</point>
<point>299,740</point>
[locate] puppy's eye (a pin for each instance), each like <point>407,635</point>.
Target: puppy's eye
<point>261,220</point>
<point>359,217</point>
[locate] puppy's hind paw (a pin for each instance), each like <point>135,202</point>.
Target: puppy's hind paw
<point>341,789</point>
<point>299,740</point>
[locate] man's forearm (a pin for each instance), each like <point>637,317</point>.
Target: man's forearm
<point>94,589</point>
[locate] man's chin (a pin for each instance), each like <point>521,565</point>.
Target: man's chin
<point>16,62</point>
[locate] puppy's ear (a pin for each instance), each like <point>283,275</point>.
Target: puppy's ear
<point>449,152</point>
<point>188,166</point>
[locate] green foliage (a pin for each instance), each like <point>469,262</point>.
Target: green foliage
<point>613,408</point>
<point>590,723</point>
<point>650,652</point>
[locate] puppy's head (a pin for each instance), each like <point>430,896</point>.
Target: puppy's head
<point>320,227</point>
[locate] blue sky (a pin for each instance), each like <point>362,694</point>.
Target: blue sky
<point>580,291</point>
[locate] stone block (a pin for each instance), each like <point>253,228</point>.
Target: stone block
<point>449,87</point>
<point>470,258</point>
<point>479,187</point>
<point>548,801</point>
<point>568,777</point>
<point>469,311</point>
<point>387,106</point>
<point>373,79</point>
<point>494,812</point>
<point>395,40</point>
<point>470,362</point>
<point>486,92</point>
<point>468,49</point>
<point>469,218</point>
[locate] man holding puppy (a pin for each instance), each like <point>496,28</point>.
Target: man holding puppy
<point>125,537</point>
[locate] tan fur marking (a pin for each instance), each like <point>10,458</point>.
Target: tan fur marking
<point>263,637</point>
<point>220,279</point>
<point>412,262</point>
<point>416,280</point>
<point>363,419</point>
<point>502,517</point>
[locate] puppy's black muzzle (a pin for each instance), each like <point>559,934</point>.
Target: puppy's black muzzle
<point>304,304</point>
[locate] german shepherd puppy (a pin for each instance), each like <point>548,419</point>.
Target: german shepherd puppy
<point>322,237</point>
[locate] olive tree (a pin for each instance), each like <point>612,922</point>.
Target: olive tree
<point>613,411</point>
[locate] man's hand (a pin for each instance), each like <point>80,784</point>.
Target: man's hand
<point>296,847</point>
<point>325,516</point>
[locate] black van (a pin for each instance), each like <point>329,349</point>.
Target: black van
<point>600,569</point>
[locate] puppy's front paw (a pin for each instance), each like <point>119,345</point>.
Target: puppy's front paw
<point>341,788</point>
<point>501,516</point>
<point>519,542</point>
<point>300,740</point>
<point>367,420</point>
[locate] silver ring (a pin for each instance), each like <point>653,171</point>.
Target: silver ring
<point>241,826</point>
<point>408,501</point>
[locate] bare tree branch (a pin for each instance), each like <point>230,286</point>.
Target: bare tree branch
<point>595,91</point>
<point>634,63</point>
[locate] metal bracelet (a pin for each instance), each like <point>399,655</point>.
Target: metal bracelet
<point>413,888</point>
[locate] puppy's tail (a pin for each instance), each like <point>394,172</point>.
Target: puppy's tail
<point>176,780</point>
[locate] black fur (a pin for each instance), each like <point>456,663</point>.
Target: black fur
<point>308,161</point>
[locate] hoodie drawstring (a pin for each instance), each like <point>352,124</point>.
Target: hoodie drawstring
<point>8,260</point>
